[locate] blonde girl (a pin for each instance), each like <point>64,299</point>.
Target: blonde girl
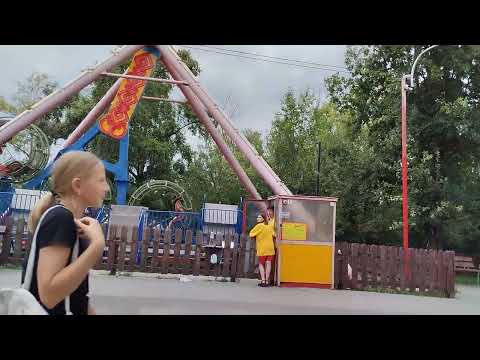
<point>78,182</point>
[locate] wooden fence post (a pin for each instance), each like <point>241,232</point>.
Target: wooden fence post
<point>354,265</point>
<point>112,249</point>
<point>167,239</point>
<point>6,241</point>
<point>122,245</point>
<point>17,252</point>
<point>233,269</point>
<point>186,261</point>
<point>364,255</point>
<point>156,247</point>
<point>227,256</point>
<point>198,249</point>
<point>132,258</point>
<point>241,256</point>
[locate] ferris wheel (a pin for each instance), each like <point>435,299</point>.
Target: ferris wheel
<point>24,155</point>
<point>160,194</point>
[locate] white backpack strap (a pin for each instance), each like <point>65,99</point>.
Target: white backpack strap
<point>31,258</point>
<point>74,257</point>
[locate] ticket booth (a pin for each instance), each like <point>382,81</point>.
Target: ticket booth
<point>305,240</point>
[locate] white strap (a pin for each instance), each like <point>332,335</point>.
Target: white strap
<point>74,257</point>
<point>31,259</point>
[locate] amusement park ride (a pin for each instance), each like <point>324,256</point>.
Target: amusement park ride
<point>25,152</point>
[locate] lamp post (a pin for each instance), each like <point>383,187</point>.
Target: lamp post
<point>404,88</point>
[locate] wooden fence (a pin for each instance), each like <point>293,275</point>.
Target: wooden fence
<point>373,267</point>
<point>381,267</point>
<point>163,252</point>
<point>178,253</point>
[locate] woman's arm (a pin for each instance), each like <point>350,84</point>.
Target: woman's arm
<point>55,281</point>
<point>255,231</point>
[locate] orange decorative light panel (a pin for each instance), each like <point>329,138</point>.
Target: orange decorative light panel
<point>115,122</point>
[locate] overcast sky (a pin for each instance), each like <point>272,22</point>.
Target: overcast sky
<point>254,88</point>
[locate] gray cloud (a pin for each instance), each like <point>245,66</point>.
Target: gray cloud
<point>63,63</point>
<point>257,87</point>
<point>254,87</point>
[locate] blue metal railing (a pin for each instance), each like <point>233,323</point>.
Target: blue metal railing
<point>17,206</point>
<point>207,220</point>
<point>101,214</point>
<point>171,220</point>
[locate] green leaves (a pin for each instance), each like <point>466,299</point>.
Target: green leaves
<point>5,106</point>
<point>443,138</point>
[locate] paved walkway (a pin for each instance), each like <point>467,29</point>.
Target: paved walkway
<point>151,296</point>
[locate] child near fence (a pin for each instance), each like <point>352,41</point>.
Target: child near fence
<point>78,182</point>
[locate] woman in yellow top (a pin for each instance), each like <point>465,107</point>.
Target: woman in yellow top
<point>264,234</point>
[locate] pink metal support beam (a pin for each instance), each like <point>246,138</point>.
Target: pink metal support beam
<point>199,110</point>
<point>106,100</point>
<point>166,81</point>
<point>164,99</point>
<point>93,115</point>
<point>59,96</point>
<point>170,58</point>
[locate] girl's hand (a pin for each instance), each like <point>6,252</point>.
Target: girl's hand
<point>91,229</point>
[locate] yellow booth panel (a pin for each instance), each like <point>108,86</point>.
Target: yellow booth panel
<point>294,231</point>
<point>302,263</point>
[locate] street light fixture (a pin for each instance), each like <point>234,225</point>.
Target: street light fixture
<point>404,87</point>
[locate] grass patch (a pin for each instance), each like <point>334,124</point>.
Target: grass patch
<point>466,279</point>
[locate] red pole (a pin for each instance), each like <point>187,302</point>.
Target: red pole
<point>404,180</point>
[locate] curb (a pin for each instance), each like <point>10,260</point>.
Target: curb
<point>181,278</point>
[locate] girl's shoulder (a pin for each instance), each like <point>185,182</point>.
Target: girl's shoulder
<point>58,213</point>
<point>57,227</point>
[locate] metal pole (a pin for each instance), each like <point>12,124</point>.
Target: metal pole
<point>59,96</point>
<point>405,229</point>
<point>317,192</point>
<point>170,58</point>
<point>404,178</point>
<point>93,115</point>
<point>146,78</point>
<point>163,99</point>
<point>415,64</point>
<point>199,110</point>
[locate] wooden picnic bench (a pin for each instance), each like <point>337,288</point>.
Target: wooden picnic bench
<point>465,264</point>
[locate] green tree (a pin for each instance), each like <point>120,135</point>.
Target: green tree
<point>443,142</point>
<point>345,159</point>
<point>6,106</point>
<point>34,88</point>
<point>210,178</point>
<point>290,140</point>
